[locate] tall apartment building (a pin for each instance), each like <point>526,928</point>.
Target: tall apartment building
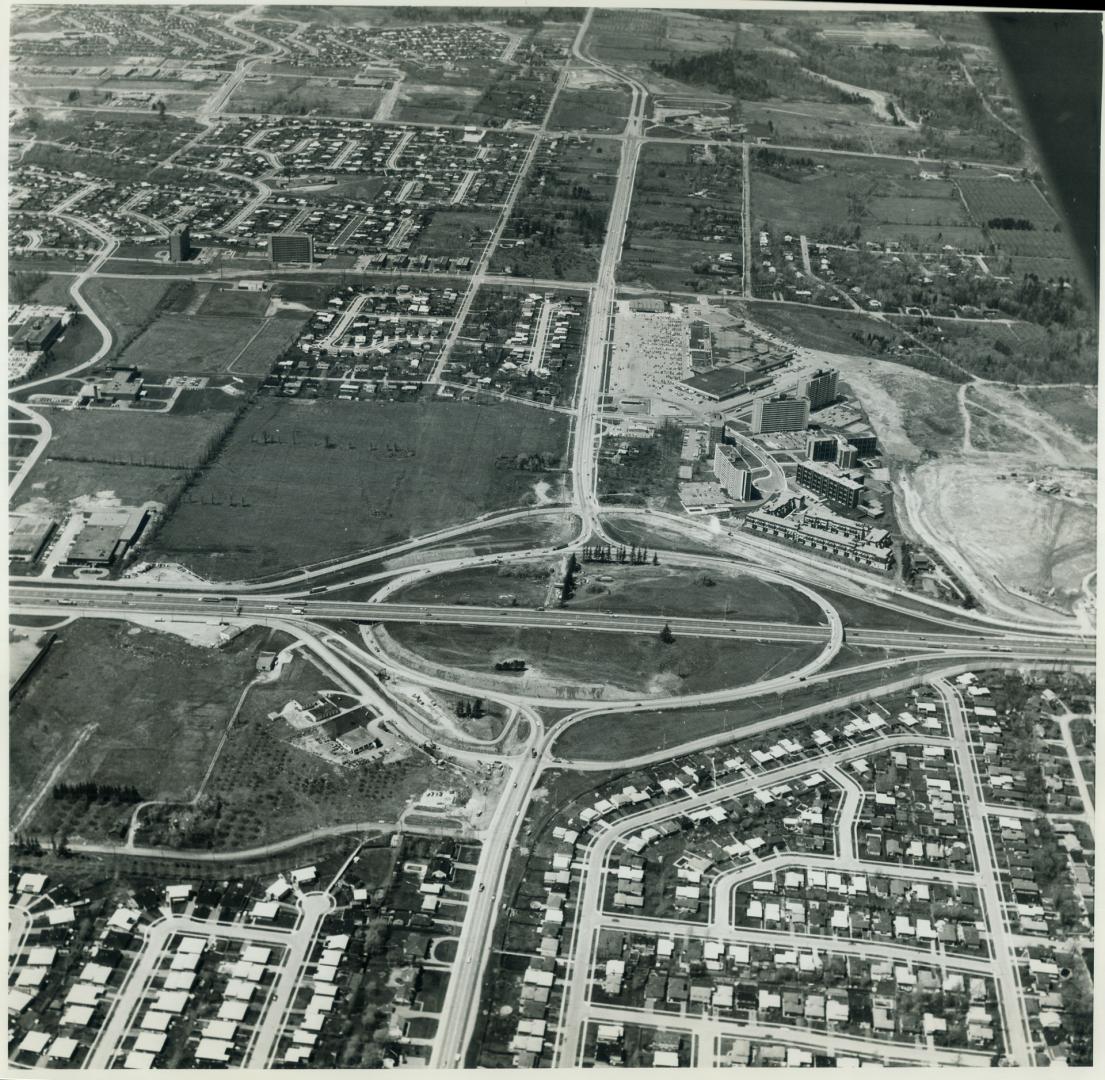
<point>180,244</point>
<point>780,413</point>
<point>831,483</point>
<point>733,473</point>
<point>291,248</point>
<point>819,389</point>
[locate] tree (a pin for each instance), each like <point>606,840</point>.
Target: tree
<point>666,636</point>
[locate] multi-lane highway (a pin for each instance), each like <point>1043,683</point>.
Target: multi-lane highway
<point>93,601</point>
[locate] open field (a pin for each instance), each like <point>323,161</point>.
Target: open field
<point>581,658</point>
<point>455,233</point>
<point>163,693</point>
<point>837,199</point>
<point>1074,408</point>
<point>598,109</point>
<point>613,737</point>
<point>434,104</point>
<point>138,457</point>
<point>289,96</point>
<point>619,587</point>
<point>263,788</point>
<point>832,125</point>
<point>210,345</point>
<point>297,483</point>
<point>631,531</point>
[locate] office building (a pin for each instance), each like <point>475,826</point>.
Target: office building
<point>36,335</point>
<point>819,389</point>
<point>845,455</point>
<point>820,447</point>
<point>780,413</point>
<point>865,443</point>
<point>295,248</point>
<point>832,484</point>
<point>180,244</point>
<point>733,473</point>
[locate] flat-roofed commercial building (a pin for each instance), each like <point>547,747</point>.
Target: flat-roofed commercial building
<point>780,413</point>
<point>28,538</point>
<point>37,335</point>
<point>832,484</point>
<point>294,248</point>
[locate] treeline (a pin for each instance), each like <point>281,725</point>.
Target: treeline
<point>604,553</point>
<point>530,462</point>
<point>89,791</point>
<point>752,76</point>
<point>1022,224</point>
<point>469,708</point>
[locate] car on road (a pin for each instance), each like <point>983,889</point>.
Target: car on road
<point>482,887</point>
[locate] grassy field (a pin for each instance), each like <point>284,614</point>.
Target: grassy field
<point>617,736</point>
<point>829,198</point>
<point>629,531</point>
<point>298,97</point>
<point>139,457</point>
<point>157,717</point>
<point>526,583</point>
<point>617,587</point>
<point>297,483</point>
<point>263,788</point>
<point>640,662</point>
<point>455,233</point>
<point>599,110</point>
<point>127,306</point>
<point>1074,407</point>
<point>210,345</point>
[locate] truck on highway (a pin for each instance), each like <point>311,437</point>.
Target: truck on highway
<point>297,611</point>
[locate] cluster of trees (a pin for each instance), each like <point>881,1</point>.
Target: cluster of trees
<point>543,462</point>
<point>648,469</point>
<point>1022,224</point>
<point>568,585</point>
<point>23,285</point>
<point>510,665</point>
<point>469,708</point>
<point>88,791</point>
<point>752,75</point>
<point>782,166</point>
<point>604,553</point>
<point>926,84</point>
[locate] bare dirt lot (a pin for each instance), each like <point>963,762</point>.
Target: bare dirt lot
<point>970,454</point>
